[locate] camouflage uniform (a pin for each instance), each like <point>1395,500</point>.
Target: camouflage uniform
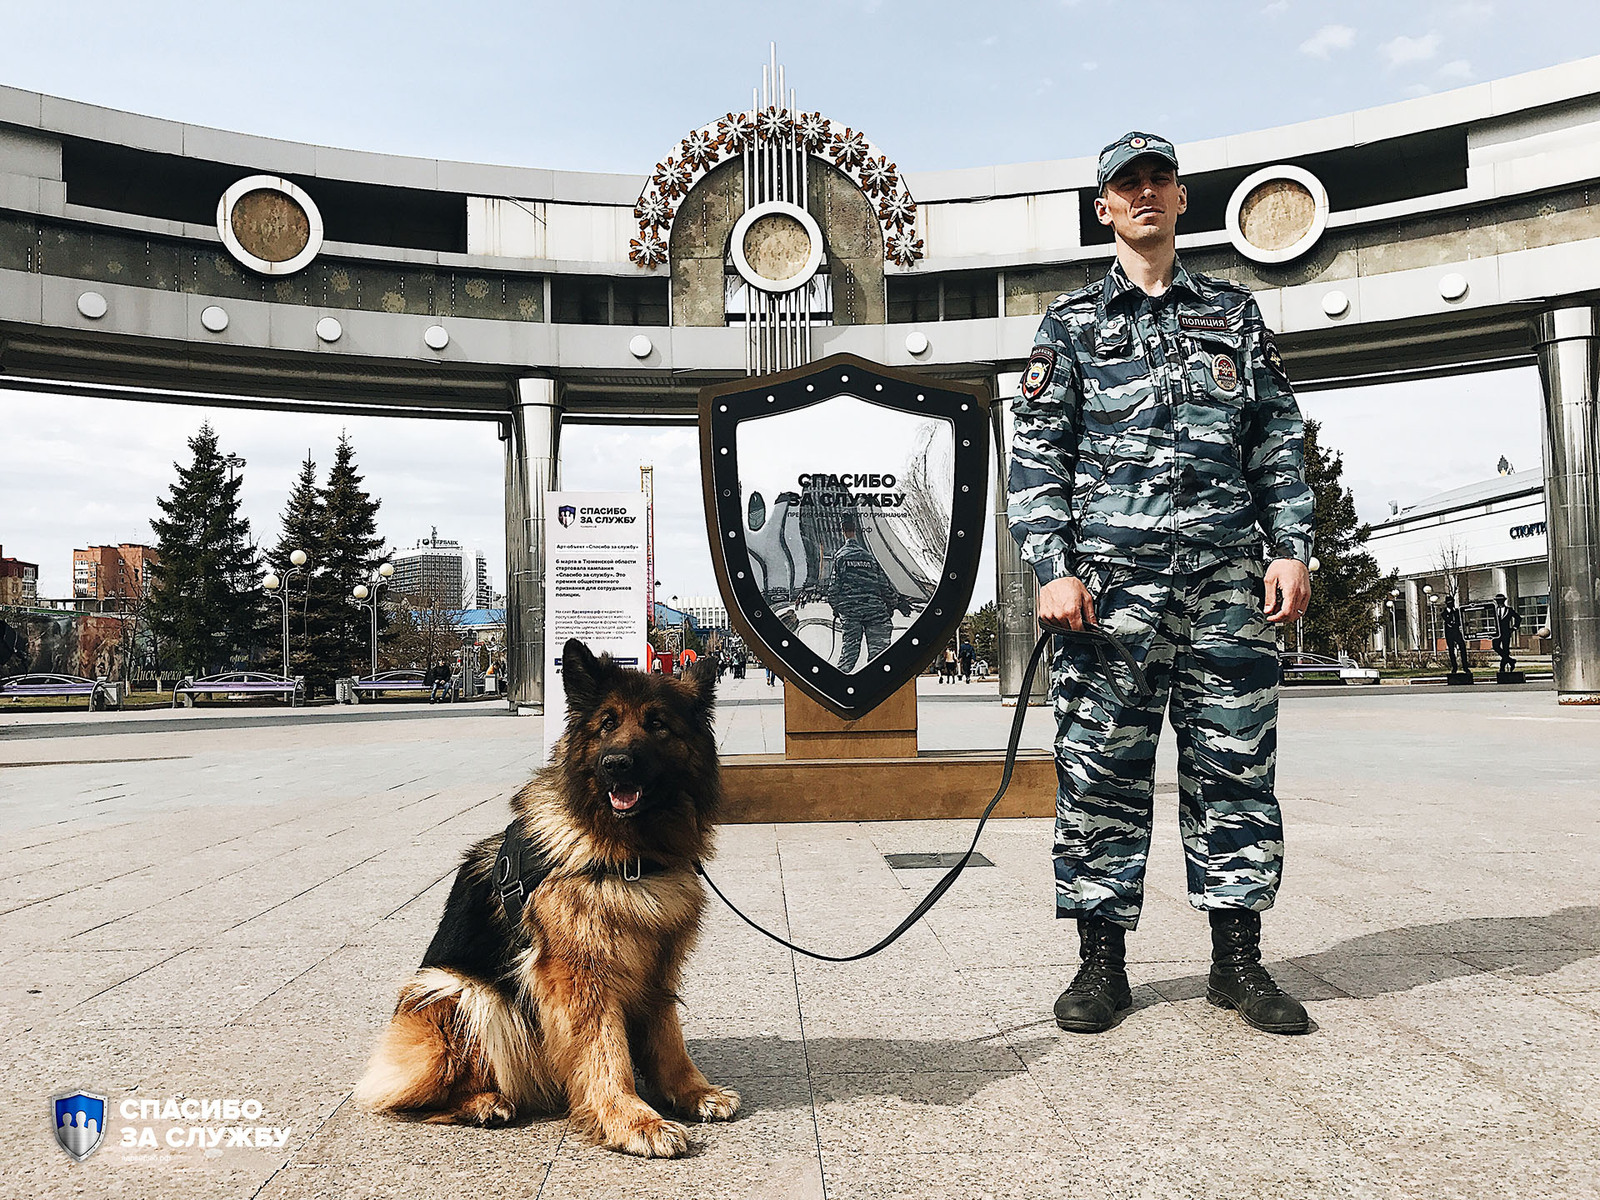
<point>863,599</point>
<point>1156,442</point>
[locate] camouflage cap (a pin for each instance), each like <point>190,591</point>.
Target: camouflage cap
<point>1129,147</point>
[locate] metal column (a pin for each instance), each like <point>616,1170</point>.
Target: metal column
<point>1013,579</point>
<point>1568,344</point>
<point>533,458</point>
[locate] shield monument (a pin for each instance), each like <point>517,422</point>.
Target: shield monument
<point>845,508</point>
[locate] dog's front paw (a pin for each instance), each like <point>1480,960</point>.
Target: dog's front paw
<point>488,1109</point>
<point>712,1104</point>
<point>654,1137</point>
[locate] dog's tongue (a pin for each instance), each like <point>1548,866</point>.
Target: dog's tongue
<point>624,801</point>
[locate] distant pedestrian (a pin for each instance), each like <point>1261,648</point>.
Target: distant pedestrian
<point>438,680</point>
<point>967,655</point>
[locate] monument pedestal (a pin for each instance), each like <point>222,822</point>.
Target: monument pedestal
<point>1510,677</point>
<point>1456,678</point>
<point>870,769</point>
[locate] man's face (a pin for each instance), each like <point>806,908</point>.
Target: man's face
<point>1141,203</point>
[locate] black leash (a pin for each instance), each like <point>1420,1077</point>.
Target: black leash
<point>1100,641</point>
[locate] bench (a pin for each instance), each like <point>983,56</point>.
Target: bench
<point>1331,670</point>
<point>389,681</point>
<point>102,693</point>
<point>240,683</point>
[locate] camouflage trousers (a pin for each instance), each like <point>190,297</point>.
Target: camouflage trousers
<point>1211,658</point>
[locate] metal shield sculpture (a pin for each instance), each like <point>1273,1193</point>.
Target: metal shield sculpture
<point>845,509</point>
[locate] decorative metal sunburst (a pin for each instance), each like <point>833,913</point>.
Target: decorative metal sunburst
<point>653,211</point>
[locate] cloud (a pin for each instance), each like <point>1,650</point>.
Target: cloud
<point>1091,66</point>
<point>1459,69</point>
<point>1477,13</point>
<point>1419,89</point>
<point>1404,50</point>
<point>1326,40</point>
<point>1276,9</point>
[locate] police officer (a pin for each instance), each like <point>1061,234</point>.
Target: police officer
<point>1158,445</point>
<point>862,596</point>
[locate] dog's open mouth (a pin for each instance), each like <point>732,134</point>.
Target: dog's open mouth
<point>624,802</point>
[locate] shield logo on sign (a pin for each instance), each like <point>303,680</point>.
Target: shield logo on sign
<point>566,514</point>
<point>845,509</point>
<point>80,1123</point>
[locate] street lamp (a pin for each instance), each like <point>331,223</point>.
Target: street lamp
<point>1394,635</point>
<point>1433,610</point>
<point>1313,566</point>
<point>297,560</point>
<point>360,594</point>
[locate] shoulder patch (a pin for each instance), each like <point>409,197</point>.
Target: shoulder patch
<point>1273,359</point>
<point>1040,370</point>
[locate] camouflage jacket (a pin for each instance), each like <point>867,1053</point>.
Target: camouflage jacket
<point>1159,434</point>
<point>858,587</point>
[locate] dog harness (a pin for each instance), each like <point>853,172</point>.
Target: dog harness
<point>523,864</point>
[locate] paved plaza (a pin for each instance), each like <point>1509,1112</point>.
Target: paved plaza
<point>221,905</point>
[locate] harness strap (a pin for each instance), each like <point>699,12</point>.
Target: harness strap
<point>522,865</point>
<point>1099,639</point>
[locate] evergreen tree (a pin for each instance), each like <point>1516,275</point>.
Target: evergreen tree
<point>302,530</point>
<point>206,604</point>
<point>350,552</point>
<point>983,629</point>
<point>1347,587</point>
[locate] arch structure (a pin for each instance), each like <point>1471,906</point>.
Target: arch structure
<point>155,260</point>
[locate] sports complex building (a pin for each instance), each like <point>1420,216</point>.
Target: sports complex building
<point>158,261</point>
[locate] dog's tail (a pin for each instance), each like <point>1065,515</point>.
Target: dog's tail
<point>451,1038</point>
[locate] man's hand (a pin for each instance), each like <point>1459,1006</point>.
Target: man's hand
<point>1066,601</point>
<point>1288,586</point>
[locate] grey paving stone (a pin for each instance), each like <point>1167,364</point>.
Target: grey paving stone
<point>235,919</point>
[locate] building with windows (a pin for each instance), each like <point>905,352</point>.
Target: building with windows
<point>441,571</point>
<point>707,612</point>
<point>120,572</point>
<point>19,581</point>
<point>1477,542</point>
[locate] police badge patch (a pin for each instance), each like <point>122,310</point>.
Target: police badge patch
<point>1225,373</point>
<point>1041,367</point>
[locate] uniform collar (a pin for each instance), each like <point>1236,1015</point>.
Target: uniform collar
<point>1117,285</point>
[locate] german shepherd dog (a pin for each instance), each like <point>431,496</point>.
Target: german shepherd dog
<point>556,1008</point>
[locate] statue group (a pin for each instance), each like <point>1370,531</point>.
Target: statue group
<point>1506,622</point>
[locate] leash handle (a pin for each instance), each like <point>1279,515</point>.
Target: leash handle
<point>944,885</point>
<point>1100,640</point>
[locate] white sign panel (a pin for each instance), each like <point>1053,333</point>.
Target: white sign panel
<point>594,586</point>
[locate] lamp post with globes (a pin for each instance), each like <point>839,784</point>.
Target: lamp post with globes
<point>1313,567</point>
<point>280,587</point>
<point>360,594</point>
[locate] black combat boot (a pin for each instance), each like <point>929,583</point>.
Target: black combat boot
<point>1238,980</point>
<point>1099,991</point>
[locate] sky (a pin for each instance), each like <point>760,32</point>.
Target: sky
<point>611,87</point>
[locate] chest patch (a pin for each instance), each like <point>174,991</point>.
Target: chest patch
<point>1202,322</point>
<point>1225,373</point>
<point>1041,369</point>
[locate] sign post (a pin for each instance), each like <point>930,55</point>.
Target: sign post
<point>595,586</point>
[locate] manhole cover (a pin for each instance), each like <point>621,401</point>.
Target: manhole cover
<point>919,862</point>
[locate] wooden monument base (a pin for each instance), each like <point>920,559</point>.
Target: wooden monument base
<point>869,770</point>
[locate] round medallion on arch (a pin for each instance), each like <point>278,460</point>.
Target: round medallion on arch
<point>1276,214</point>
<point>269,224</point>
<point>777,246</point>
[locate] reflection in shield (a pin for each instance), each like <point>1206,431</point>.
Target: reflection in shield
<point>847,520</point>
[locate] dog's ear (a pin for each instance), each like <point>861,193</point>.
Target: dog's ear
<point>583,676</point>
<point>699,683</point>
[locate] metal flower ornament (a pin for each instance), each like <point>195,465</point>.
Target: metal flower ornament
<point>704,149</point>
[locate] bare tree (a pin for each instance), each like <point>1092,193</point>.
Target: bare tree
<point>422,632</point>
